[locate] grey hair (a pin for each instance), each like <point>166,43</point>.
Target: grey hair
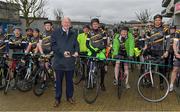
<point>66,18</point>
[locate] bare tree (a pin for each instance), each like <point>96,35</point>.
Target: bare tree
<point>41,13</point>
<point>29,9</point>
<point>143,16</point>
<point>58,13</point>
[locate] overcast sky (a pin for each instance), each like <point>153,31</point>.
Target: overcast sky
<point>110,11</point>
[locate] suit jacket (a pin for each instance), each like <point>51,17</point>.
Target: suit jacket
<point>61,42</point>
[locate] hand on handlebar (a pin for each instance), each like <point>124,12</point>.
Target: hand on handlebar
<point>67,54</point>
<point>75,54</point>
<point>165,55</point>
<point>177,56</point>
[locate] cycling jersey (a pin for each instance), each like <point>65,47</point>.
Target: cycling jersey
<point>34,41</point>
<point>3,43</point>
<point>97,39</point>
<point>96,44</point>
<point>159,48</point>
<point>17,43</point>
<point>46,42</point>
<point>82,42</point>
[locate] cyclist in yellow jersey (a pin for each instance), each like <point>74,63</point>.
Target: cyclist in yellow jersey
<point>82,40</point>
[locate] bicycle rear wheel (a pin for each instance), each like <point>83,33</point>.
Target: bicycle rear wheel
<point>150,89</point>
<point>2,78</point>
<point>39,86</point>
<point>120,87</point>
<point>91,87</point>
<point>24,83</point>
<point>78,74</point>
<point>10,82</point>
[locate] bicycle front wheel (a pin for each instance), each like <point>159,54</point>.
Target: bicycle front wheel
<point>120,89</point>
<point>91,87</point>
<point>149,87</point>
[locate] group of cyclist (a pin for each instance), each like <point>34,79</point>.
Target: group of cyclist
<point>18,47</point>
<point>155,40</point>
<point>32,41</point>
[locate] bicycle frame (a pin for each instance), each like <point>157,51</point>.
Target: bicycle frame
<point>121,71</point>
<point>45,66</point>
<point>91,70</point>
<point>29,70</point>
<point>150,71</point>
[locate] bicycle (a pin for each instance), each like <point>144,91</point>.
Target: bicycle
<point>12,75</point>
<point>80,70</point>
<point>148,84</point>
<point>92,81</point>
<point>25,74</point>
<point>121,80</point>
<point>3,71</point>
<point>44,75</point>
<point>15,66</point>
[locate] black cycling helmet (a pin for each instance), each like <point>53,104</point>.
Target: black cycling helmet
<point>48,22</point>
<point>115,29</point>
<point>17,28</point>
<point>37,30</point>
<point>86,26</point>
<point>158,16</point>
<point>94,20</point>
<point>135,29</point>
<point>172,27</point>
<point>124,28</point>
<point>29,29</point>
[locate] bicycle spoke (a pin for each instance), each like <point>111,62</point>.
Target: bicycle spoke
<point>153,92</point>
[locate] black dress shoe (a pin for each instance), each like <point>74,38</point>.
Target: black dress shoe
<point>56,103</point>
<point>71,101</point>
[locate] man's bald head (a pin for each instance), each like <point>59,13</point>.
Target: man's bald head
<point>66,23</point>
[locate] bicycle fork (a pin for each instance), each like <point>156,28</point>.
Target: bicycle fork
<point>90,78</point>
<point>150,73</point>
<point>29,70</point>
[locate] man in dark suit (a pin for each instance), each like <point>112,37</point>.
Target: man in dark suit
<point>65,47</point>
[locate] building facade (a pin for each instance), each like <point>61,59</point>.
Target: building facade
<point>37,23</point>
<point>172,10</point>
<point>9,15</point>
